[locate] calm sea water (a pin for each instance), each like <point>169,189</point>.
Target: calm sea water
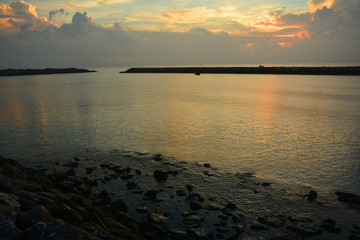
<point>299,129</point>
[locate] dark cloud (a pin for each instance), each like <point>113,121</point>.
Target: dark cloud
<point>54,12</point>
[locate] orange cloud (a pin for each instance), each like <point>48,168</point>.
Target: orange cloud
<point>319,4</point>
<point>72,4</point>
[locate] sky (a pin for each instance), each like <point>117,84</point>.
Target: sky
<point>102,33</point>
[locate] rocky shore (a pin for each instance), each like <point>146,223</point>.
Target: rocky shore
<point>17,72</point>
<point>131,195</point>
<point>251,70</point>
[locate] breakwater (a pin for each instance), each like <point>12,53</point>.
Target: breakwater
<point>17,72</point>
<point>251,70</point>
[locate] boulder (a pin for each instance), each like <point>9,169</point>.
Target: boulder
<point>160,175</point>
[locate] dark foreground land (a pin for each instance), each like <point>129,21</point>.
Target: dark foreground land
<point>252,70</point>
<point>17,72</point>
<point>134,195</point>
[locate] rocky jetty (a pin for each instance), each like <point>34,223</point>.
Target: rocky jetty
<point>131,195</point>
<point>17,72</point>
<point>251,70</point>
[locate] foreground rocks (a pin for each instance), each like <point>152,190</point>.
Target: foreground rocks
<point>139,196</point>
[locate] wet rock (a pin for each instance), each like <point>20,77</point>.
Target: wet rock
<point>59,230</point>
<point>286,234</point>
<point>312,195</point>
<point>197,234</point>
<point>207,165</point>
<point>7,200</point>
<point>273,221</point>
<point>37,231</point>
<point>35,215</point>
<point>26,204</point>
<point>74,179</point>
<point>222,230</point>
<point>90,170</point>
<point>160,175</point>
<point>231,205</point>
<point>67,214</point>
<point>127,176</point>
<point>157,218</point>
<point>8,230</point>
<point>346,197</point>
<point>158,157</point>
<point>173,172</point>
<point>257,226</point>
<point>266,184</point>
<point>239,228</point>
<point>142,209</point>
<point>213,207</point>
<point>181,193</point>
<point>132,185</point>
<point>195,206</point>
<point>302,217</point>
<point>193,221</point>
<point>233,237</point>
<point>329,225</point>
<point>71,164</point>
<point>118,205</point>
<point>138,172</point>
<point>189,187</point>
<point>195,197</point>
<point>185,214</point>
<point>151,194</point>
<point>252,237</point>
<point>207,173</point>
<point>77,200</point>
<point>223,217</point>
<point>305,229</point>
<point>70,172</point>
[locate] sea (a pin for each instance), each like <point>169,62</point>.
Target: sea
<point>298,129</point>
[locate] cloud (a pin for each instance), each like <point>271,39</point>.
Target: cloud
<point>327,37</point>
<point>21,16</point>
<point>319,4</point>
<point>53,13</point>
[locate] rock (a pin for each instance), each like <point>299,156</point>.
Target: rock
<point>305,229</point>
<point>286,234</point>
<point>233,237</point>
<point>77,200</point>
<point>220,224</point>
<point>231,205</point>
<point>223,217</point>
<point>213,207</point>
<point>156,218</point>
<point>89,170</point>
<point>35,215</point>
<point>158,157</point>
<point>354,236</point>
<point>160,175</point>
<point>70,172</point>
<point>71,164</point>
<point>37,231</point>
<point>185,214</point>
<point>26,204</point>
<point>118,205</point>
<point>152,194</point>
<point>132,185</point>
<point>193,221</point>
<point>329,225</point>
<point>273,221</point>
<point>189,187</point>
<point>207,173</point>
<point>142,209</point>
<point>8,201</point>
<point>8,230</point>
<point>222,230</point>
<point>345,197</point>
<point>127,176</point>
<point>67,214</point>
<point>74,179</point>
<point>356,227</point>
<point>312,195</point>
<point>207,165</point>
<point>239,228</point>
<point>197,234</point>
<point>195,197</point>
<point>173,172</point>
<point>181,193</point>
<point>195,206</point>
<point>257,226</point>
<point>138,172</point>
<point>59,230</point>
<point>252,237</point>
<point>302,217</point>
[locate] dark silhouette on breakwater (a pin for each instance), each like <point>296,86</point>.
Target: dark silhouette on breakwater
<point>17,72</point>
<point>252,70</point>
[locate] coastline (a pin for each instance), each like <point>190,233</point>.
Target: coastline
<point>45,71</point>
<point>251,70</point>
<point>154,197</point>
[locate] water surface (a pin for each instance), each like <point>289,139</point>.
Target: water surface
<point>300,129</point>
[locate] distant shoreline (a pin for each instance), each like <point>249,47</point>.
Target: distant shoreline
<point>20,72</point>
<point>251,70</point>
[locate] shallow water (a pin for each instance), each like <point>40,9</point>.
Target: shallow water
<point>300,129</point>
